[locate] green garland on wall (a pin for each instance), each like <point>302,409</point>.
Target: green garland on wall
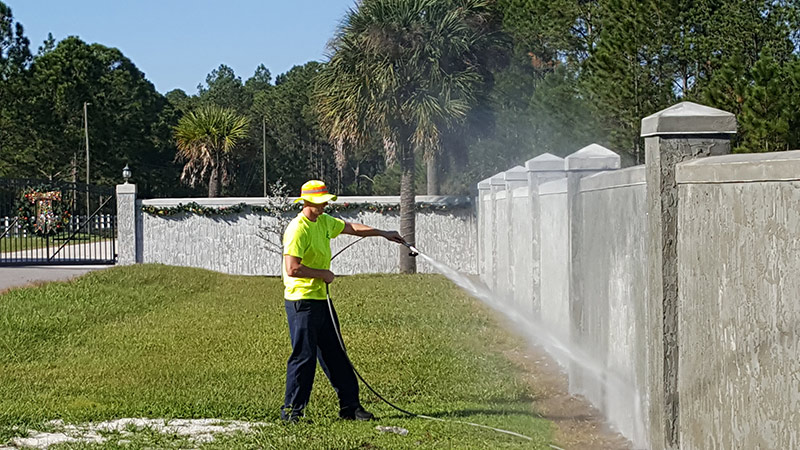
<point>381,208</point>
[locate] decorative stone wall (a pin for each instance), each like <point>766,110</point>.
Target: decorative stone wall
<point>248,243</point>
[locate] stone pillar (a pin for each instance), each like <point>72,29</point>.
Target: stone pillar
<point>127,248</point>
<point>516,177</point>
<point>513,271</point>
<point>497,184</point>
<point>587,161</point>
<point>484,195</point>
<point>541,169</point>
<point>679,133</point>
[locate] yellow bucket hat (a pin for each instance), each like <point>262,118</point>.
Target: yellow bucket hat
<point>316,192</point>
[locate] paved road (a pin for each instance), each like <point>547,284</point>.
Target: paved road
<point>24,275</point>
<point>100,251</point>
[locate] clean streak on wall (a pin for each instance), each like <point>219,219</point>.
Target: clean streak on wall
<point>612,287</point>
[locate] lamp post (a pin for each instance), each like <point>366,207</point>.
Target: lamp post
<point>264,153</point>
<point>126,173</point>
<point>86,133</point>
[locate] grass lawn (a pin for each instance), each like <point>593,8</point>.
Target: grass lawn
<point>157,341</point>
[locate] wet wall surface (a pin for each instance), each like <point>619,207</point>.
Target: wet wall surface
<point>608,314</point>
<point>739,303</point>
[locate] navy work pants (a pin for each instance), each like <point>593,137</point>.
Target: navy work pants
<point>313,337</point>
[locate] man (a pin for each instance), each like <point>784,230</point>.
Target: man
<point>306,271</point>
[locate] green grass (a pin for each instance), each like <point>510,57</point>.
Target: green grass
<point>156,341</point>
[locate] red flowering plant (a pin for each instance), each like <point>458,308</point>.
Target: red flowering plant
<point>41,211</point>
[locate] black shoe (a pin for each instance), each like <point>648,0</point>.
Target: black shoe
<point>289,416</point>
<point>355,413</point>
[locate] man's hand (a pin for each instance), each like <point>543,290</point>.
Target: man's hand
<point>295,268</point>
<point>328,276</point>
<point>394,236</point>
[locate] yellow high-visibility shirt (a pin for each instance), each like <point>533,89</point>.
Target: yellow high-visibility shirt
<point>311,242</point>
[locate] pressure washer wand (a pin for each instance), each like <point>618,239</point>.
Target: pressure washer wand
<point>413,250</point>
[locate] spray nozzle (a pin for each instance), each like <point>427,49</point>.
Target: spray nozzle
<point>414,251</point>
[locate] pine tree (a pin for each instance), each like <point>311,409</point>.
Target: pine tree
<point>551,30</point>
<point>765,111</point>
<point>15,56</point>
<point>627,77</point>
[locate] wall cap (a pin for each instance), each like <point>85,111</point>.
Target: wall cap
<point>741,168</point>
<point>262,201</point>
<point>520,192</point>
<point>689,118</point>
<point>631,176</point>
<point>545,162</point>
<point>126,188</point>
<point>554,187</point>
<point>516,173</point>
<point>498,180</point>
<point>592,157</point>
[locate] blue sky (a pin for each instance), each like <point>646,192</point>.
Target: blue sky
<point>176,43</point>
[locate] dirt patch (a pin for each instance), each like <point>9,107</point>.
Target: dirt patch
<point>578,424</point>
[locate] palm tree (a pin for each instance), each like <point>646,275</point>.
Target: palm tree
<point>206,138</point>
<point>402,71</point>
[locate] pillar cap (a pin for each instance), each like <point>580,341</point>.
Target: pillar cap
<point>689,118</point>
<point>484,184</point>
<point>592,157</point>
<point>498,180</point>
<point>545,162</point>
<point>516,173</point>
<point>127,188</point>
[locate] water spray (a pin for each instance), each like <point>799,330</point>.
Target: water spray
<point>412,252</point>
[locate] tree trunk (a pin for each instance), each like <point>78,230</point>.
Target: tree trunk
<point>408,264</point>
<point>214,182</point>
<point>433,175</point>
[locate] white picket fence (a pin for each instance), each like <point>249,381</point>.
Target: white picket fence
<point>98,223</point>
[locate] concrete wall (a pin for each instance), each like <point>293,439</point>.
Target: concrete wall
<point>608,316</point>
<point>503,244</point>
<point>673,289</point>
<point>490,195</point>
<point>739,301</point>
<point>521,261</point>
<point>587,294</point>
<point>236,244</point>
<point>485,221</point>
<point>554,290</point>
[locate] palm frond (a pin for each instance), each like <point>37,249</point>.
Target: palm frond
<point>402,70</point>
<point>205,138</point>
